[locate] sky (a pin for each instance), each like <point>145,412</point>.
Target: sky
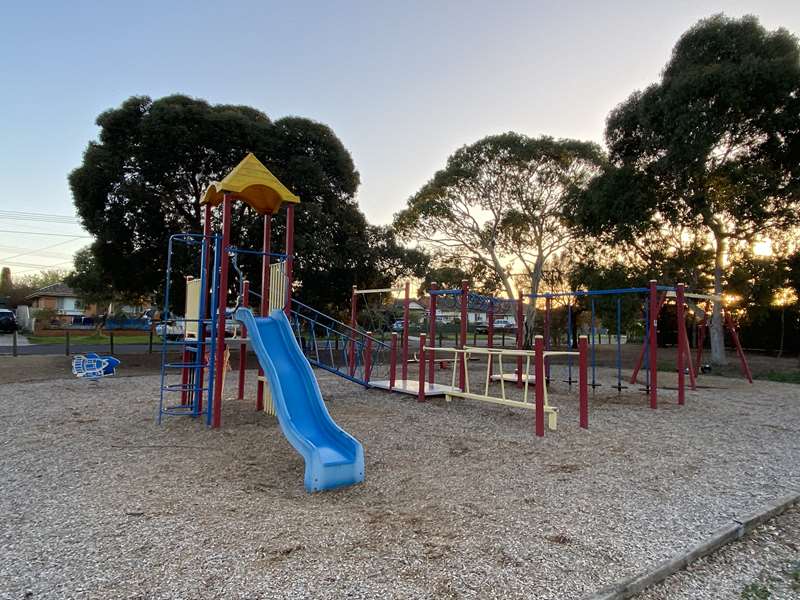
<point>403,84</point>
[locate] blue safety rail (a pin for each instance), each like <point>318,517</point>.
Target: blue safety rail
<point>598,296</point>
<point>191,361</point>
<point>327,343</point>
<point>449,299</point>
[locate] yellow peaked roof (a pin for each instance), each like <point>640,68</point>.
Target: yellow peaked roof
<point>252,183</point>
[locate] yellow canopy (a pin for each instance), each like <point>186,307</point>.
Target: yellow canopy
<point>252,183</point>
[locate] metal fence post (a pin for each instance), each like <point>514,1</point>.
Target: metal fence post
<point>66,344</point>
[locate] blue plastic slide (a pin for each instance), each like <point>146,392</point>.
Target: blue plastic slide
<point>334,458</point>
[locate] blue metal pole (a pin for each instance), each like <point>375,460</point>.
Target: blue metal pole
<point>619,344</point>
<point>212,351</point>
<point>569,342</point>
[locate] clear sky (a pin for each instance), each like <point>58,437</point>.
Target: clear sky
<point>403,84</point>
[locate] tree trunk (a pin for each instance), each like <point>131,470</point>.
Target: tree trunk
<point>501,273</point>
<point>783,330</point>
<point>717,329</point>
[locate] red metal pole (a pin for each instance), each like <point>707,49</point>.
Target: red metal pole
<point>393,362</point>
<point>216,410</point>
<point>583,380</point>
<point>243,346</point>
<point>266,244</point>
<point>539,374</point>
<point>421,392</point>
<point>462,371</point>
<point>687,353</point>
<point>406,319</point>
<point>520,336</point>
<point>432,334</point>
<point>653,359</point>
<point>289,257</point>
<point>184,376</point>
<point>742,360</point>
<point>351,354</point>
<point>547,344</point>
<point>368,357</point>
<point>701,339</point>
<point>646,342</point>
<point>681,318</point>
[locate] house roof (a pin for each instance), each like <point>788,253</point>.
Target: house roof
<point>59,289</point>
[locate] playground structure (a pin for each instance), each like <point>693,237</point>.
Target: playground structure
<point>287,387</point>
<point>287,329</point>
<point>654,298</point>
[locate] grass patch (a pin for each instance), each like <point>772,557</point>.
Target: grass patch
<point>756,591</point>
<point>780,376</point>
<point>91,339</point>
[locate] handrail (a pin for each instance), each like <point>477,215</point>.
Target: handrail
<point>345,325</point>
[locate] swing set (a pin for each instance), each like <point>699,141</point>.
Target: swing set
<point>653,297</point>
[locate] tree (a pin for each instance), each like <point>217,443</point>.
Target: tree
<point>500,201</point>
<point>714,146</point>
<point>143,179</point>
<point>6,284</point>
<point>89,280</point>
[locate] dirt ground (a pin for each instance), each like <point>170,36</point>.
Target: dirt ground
<point>461,500</point>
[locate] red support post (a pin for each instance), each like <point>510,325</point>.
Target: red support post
<point>583,380</point>
<point>681,318</point>
<point>266,245</point>
<point>406,320</point>
<point>701,340</point>
<point>368,357</point>
<point>243,346</point>
<point>432,334</point>
<point>216,410</point>
<point>645,344</point>
<point>421,392</point>
<point>351,354</point>
<point>185,358</point>
<point>538,346</point>
<point>520,335</point>
<point>393,362</point>
<point>739,351</point>
<point>653,357</point>
<point>289,257</point>
<point>462,371</point>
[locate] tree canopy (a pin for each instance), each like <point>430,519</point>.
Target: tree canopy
<point>500,201</point>
<point>142,180</point>
<point>713,147</point>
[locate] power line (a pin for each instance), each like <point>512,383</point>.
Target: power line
<point>38,251</point>
<point>85,237</point>
<point>13,215</point>
<point>11,263</point>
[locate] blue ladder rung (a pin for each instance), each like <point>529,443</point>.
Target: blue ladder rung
<point>180,387</point>
<point>184,365</point>
<point>179,411</point>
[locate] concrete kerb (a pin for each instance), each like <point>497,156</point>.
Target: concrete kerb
<point>627,588</point>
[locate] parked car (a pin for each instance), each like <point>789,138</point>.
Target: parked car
<point>172,329</point>
<point>8,321</point>
<point>500,326</point>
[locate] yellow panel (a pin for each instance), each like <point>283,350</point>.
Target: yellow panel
<point>252,183</point>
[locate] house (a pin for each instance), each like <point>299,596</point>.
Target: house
<point>61,299</point>
<point>450,310</point>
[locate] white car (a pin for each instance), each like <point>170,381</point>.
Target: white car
<point>172,329</point>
